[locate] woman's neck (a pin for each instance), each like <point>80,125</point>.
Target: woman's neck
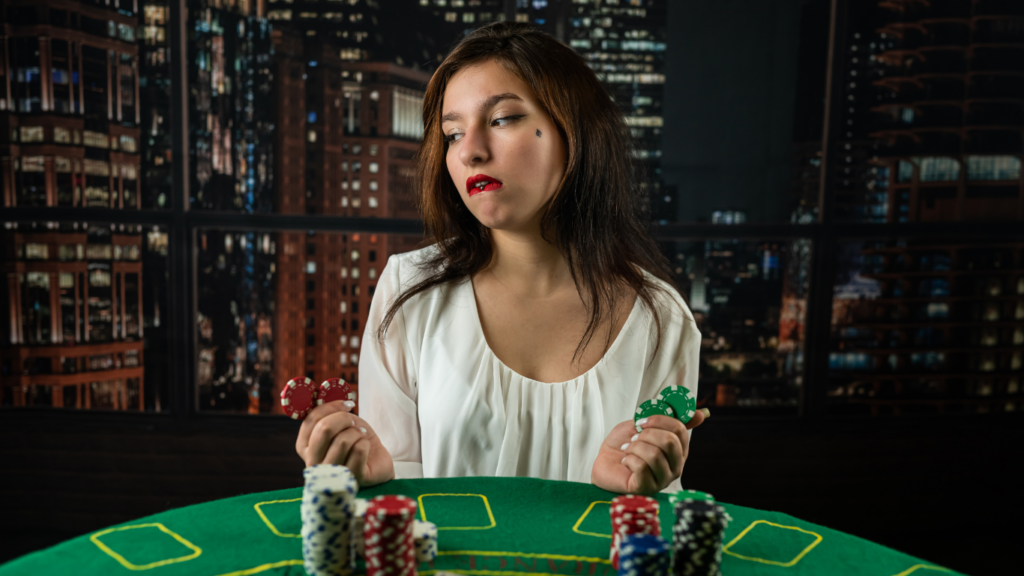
<point>528,267</point>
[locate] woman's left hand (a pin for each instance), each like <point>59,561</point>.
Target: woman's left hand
<point>645,462</point>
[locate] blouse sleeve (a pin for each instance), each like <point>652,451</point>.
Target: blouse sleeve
<point>387,378</point>
<point>684,373</point>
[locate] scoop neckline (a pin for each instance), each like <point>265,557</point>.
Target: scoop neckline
<point>487,345</point>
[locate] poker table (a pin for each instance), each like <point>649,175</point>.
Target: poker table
<point>486,527</point>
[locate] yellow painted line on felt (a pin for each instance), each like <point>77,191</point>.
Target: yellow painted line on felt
<point>95,538</point>
<point>265,567</point>
<point>271,524</point>
<point>922,567</point>
<point>423,512</point>
<point>576,527</point>
<point>799,556</point>
<point>521,555</point>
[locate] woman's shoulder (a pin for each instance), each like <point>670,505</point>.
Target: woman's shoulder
<point>412,266</point>
<point>668,301</point>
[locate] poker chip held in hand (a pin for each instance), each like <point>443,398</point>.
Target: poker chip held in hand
<point>334,389</point>
<point>298,397</point>
<point>682,402</point>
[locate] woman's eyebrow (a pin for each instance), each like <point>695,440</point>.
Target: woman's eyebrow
<point>491,101</point>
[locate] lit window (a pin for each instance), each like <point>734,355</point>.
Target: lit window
<point>355,185</point>
<point>311,136</point>
<point>355,202</point>
<point>355,358</point>
<point>344,184</point>
<point>373,147</point>
<point>356,149</point>
<point>355,342</point>
<point>128,144</point>
<point>344,166</point>
<point>344,201</point>
<point>344,274</point>
<point>522,17</point>
<point>374,95</point>
<point>355,255</point>
<point>344,309</point>
<point>374,167</point>
<point>469,17</point>
<point>451,16</point>
<point>355,273</point>
<point>310,267</point>
<point>373,186</point>
<point>36,251</point>
<point>343,359</point>
<point>371,273</point>
<point>31,133</point>
<point>371,201</point>
<point>279,15</point>
<point>62,135</point>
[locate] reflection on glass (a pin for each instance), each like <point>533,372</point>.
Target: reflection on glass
<point>274,306</point>
<point>749,299</point>
<point>927,327</point>
<point>81,327</point>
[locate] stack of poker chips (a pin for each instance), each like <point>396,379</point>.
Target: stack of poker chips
<point>644,555</point>
<point>425,536</point>
<point>299,396</point>
<point>328,508</point>
<point>697,534</point>
<point>389,536</point>
<point>632,515</point>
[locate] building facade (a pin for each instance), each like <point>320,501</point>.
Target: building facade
<point>69,107</point>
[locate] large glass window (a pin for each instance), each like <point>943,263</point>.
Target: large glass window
<point>83,327</point>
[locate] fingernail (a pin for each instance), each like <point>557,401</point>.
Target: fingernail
<point>350,403</point>
<point>634,438</point>
<point>641,422</point>
<point>624,446</point>
<point>623,461</point>
<point>363,430</point>
<point>706,412</point>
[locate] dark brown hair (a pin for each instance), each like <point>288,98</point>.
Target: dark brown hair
<point>598,216</point>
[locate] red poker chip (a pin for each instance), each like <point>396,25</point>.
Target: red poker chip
<point>334,389</point>
<point>297,397</point>
<point>389,536</point>
<point>391,505</point>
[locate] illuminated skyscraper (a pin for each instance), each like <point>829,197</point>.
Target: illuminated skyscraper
<point>933,105</point>
<point>72,325</point>
<point>348,132</point>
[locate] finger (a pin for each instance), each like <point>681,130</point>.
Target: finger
<point>670,444</point>
<point>323,434</point>
<point>655,460</point>
<point>341,445</point>
<point>358,456</point>
<point>314,417</point>
<point>643,478</point>
<point>698,418</point>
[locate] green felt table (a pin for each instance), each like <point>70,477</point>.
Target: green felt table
<point>486,526</point>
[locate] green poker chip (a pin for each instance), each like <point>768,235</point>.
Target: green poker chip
<point>681,401</point>
<point>652,408</point>
<point>690,496</point>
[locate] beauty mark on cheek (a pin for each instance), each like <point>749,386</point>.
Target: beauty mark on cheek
<point>538,133</point>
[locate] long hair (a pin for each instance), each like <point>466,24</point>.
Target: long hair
<point>598,217</point>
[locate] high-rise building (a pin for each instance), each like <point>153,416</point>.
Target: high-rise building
<point>155,103</point>
<point>347,135</point>
<point>931,116</point>
<point>73,320</point>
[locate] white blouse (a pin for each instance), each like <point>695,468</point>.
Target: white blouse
<point>444,405</point>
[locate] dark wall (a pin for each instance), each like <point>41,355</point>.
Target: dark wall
<point>730,91</point>
<point>945,490</point>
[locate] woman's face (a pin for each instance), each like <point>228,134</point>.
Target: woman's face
<point>496,128</point>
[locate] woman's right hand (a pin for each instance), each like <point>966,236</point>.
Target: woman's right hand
<point>331,434</point>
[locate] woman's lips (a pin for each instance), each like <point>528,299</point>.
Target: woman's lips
<point>492,186</point>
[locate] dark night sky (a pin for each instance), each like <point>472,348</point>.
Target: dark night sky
<point>738,74</point>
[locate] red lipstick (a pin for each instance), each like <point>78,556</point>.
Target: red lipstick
<point>481,183</point>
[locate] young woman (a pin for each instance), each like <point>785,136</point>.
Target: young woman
<point>478,357</point>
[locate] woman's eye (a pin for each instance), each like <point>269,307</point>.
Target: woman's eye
<point>450,138</point>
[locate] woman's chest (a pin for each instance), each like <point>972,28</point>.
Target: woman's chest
<point>538,339</point>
